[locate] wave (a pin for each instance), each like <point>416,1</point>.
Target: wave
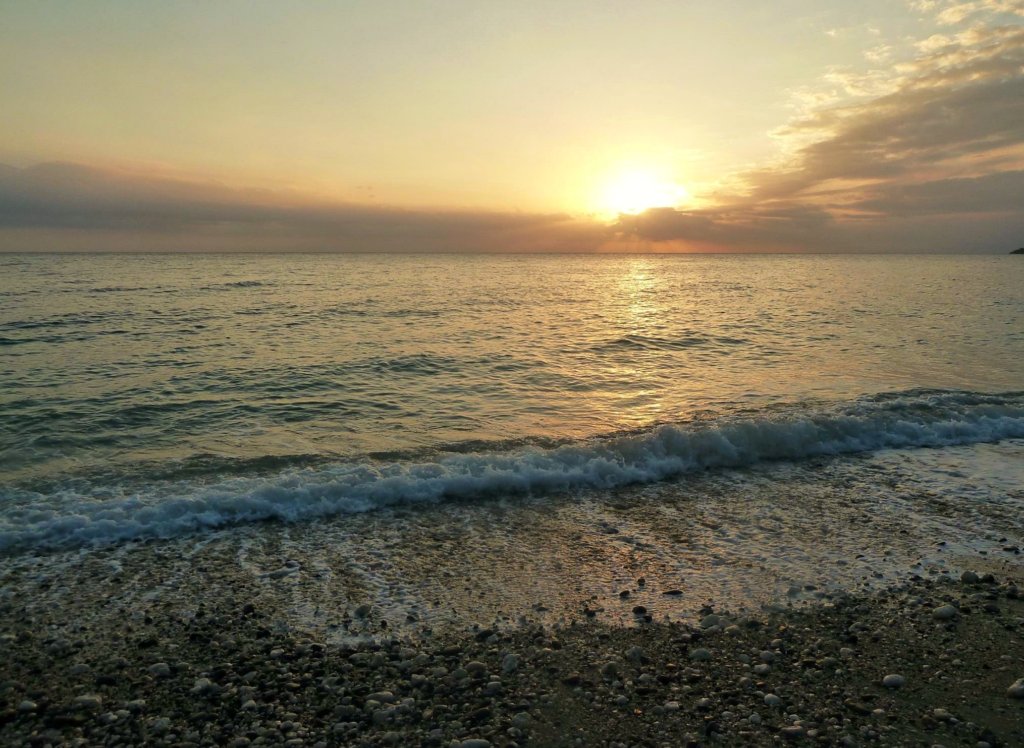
<point>891,421</point>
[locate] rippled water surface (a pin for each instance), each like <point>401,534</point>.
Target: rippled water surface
<point>165,393</point>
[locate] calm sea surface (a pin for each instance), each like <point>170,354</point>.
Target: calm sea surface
<point>160,395</point>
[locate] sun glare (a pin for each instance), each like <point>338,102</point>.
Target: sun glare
<point>636,191</point>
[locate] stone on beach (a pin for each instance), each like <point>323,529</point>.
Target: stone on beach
<point>894,680</point>
<point>944,613</point>
<point>700,655</point>
<point>160,670</point>
<point>363,610</point>
<point>635,655</point>
<point>88,701</point>
<point>1016,689</point>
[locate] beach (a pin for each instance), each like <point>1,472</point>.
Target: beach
<point>325,500</point>
<point>218,660</point>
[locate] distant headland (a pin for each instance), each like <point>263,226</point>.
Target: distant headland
<point>1018,251</point>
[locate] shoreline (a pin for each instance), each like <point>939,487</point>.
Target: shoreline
<point>233,674</point>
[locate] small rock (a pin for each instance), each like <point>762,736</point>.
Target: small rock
<point>771,699</point>
<point>204,687</point>
<point>710,620</point>
<point>635,655</point>
<point>1016,689</point>
<point>521,720</point>
<point>88,701</point>
<point>700,655</point>
<point>475,743</point>
<point>476,669</point>
<point>793,732</point>
<point>893,681</point>
<point>160,670</point>
<point>509,664</point>
<point>363,610</point>
<point>27,706</point>
<point>944,613</point>
<point>970,577</point>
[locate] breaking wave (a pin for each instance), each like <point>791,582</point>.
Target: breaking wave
<point>893,421</point>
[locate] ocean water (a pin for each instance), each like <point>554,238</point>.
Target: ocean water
<point>472,439</point>
<point>373,405</point>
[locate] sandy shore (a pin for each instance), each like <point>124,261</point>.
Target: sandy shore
<point>231,673</point>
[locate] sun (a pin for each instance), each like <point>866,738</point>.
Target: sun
<point>638,190</point>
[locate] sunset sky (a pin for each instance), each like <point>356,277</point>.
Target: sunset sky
<point>797,125</point>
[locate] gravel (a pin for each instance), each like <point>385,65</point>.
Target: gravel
<point>873,669</point>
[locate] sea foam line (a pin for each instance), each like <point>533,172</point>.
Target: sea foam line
<point>910,420</point>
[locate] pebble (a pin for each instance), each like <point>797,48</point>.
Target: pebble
<point>710,620</point>
<point>1016,689</point>
<point>970,577</point>
<point>635,655</point>
<point>893,681</point>
<point>204,686</point>
<point>793,732</point>
<point>509,664</point>
<point>475,743</point>
<point>521,720</point>
<point>160,670</point>
<point>88,701</point>
<point>476,669</point>
<point>944,613</point>
<point>771,699</point>
<point>27,706</point>
<point>700,655</point>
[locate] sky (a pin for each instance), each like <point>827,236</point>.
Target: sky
<point>563,125</point>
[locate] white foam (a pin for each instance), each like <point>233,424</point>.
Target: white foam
<point>904,421</point>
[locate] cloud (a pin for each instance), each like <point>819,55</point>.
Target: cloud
<point>924,153</point>
<point>66,206</point>
<point>939,136</point>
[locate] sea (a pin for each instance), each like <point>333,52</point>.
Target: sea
<point>455,437</point>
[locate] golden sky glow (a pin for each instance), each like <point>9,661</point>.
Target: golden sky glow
<point>763,125</point>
